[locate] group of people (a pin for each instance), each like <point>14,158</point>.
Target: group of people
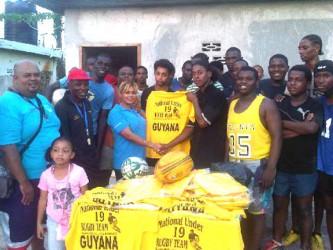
<point>278,128</point>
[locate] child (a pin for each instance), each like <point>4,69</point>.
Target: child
<point>60,185</point>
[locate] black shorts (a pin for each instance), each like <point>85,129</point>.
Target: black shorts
<point>325,184</point>
<point>22,218</point>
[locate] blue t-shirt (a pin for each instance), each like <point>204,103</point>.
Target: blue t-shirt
<point>19,122</point>
<point>325,145</point>
<point>101,96</point>
<point>119,119</point>
<point>63,82</point>
<point>176,85</point>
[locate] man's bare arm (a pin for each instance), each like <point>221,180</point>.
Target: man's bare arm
<point>301,128</point>
<point>198,114</point>
<point>272,121</point>
<point>103,115</point>
<point>48,92</point>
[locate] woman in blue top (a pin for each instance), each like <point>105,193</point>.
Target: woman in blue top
<point>128,125</point>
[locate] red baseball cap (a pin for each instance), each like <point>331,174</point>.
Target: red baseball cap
<point>78,74</point>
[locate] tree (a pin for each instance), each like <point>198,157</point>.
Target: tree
<point>32,18</point>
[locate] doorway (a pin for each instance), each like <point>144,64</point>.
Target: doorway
<point>123,54</point>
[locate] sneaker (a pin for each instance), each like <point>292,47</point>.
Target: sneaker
<point>273,245</point>
<point>317,242</point>
<point>290,238</point>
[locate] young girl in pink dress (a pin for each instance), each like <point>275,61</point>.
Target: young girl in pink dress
<point>60,185</point>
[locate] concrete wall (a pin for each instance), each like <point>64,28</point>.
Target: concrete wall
<point>9,57</point>
<point>258,29</point>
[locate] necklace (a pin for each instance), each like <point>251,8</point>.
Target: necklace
<point>60,194</point>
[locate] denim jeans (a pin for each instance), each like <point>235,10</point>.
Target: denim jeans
<point>52,242</point>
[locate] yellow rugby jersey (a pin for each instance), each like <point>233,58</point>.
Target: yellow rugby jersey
<point>167,115</point>
<point>194,232</point>
<point>248,138</point>
<point>97,226</point>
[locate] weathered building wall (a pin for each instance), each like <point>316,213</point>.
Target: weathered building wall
<point>8,58</point>
<point>11,52</point>
<point>258,29</point>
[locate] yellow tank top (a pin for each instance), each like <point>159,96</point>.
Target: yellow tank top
<point>248,138</point>
<point>167,115</point>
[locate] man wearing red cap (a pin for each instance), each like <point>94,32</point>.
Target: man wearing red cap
<point>74,112</point>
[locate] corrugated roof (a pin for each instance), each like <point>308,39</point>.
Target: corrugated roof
<point>28,48</point>
<point>59,6</point>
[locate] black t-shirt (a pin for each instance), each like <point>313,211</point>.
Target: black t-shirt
<point>267,89</point>
<point>298,154</point>
<point>207,144</point>
<point>73,126</point>
<point>145,95</point>
<point>228,83</point>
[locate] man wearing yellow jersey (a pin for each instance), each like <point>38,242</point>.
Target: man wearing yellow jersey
<point>255,136</point>
<point>158,132</point>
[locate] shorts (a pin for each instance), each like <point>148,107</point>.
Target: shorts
<point>18,221</point>
<point>299,185</point>
<point>260,198</point>
<point>325,183</point>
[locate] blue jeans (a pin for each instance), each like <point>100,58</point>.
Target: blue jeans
<point>52,242</point>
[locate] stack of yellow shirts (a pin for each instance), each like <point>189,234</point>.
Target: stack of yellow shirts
<point>200,211</point>
<point>211,194</point>
<point>96,222</point>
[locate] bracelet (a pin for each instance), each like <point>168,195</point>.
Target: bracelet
<point>145,142</point>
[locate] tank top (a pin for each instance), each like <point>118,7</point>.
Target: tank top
<point>248,138</point>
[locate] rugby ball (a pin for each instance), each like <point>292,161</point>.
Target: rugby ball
<point>173,167</point>
<point>133,167</point>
